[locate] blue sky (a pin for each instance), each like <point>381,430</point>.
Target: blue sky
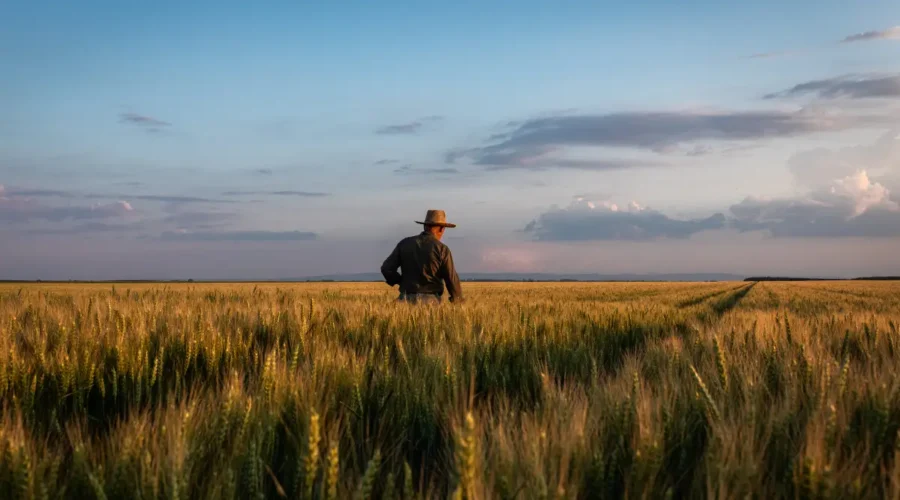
<point>221,139</point>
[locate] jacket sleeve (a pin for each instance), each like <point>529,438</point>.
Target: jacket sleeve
<point>389,267</point>
<point>451,279</point>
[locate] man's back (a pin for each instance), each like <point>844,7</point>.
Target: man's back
<point>426,265</point>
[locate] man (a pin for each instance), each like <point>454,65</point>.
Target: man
<point>426,264</point>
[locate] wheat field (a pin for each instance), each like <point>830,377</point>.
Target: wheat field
<point>528,390</point>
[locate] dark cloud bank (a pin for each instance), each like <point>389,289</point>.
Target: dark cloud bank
<point>587,225</point>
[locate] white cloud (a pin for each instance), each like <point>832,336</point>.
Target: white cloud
<point>583,204</point>
<point>888,34</point>
<point>850,206</point>
<point>863,193</point>
<point>820,167</point>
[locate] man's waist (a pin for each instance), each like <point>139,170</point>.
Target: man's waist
<point>418,287</point>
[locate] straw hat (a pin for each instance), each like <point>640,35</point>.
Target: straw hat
<point>436,218</point>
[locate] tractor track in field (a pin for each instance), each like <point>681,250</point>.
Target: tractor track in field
<point>726,303</point>
<point>731,301</point>
<point>707,296</point>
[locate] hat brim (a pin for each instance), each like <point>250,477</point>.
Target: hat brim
<point>442,224</point>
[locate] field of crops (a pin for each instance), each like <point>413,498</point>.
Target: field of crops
<point>538,390</point>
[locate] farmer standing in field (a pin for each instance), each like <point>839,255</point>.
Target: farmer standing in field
<point>425,263</point>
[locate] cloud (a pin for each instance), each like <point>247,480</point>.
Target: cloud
<point>888,34</point>
<point>409,170</point>
<point>40,193</point>
<point>862,193</point>
<point>302,194</point>
<point>239,236</point>
<point>178,199</point>
<point>91,227</point>
<point>130,183</point>
<point>541,158</point>
<point>819,167</point>
<point>590,165</point>
<point>587,221</point>
<point>532,141</point>
<point>699,150</point>
<point>200,220</point>
<point>853,206</point>
<point>386,162</point>
<point>403,128</point>
<point>849,86</point>
<point>19,210</point>
<point>770,55</point>
<point>408,128</point>
<point>148,123</point>
<point>264,171</point>
<point>161,198</point>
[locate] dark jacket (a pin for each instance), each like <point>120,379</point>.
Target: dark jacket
<point>426,265</point>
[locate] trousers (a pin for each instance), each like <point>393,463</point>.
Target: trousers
<point>419,298</point>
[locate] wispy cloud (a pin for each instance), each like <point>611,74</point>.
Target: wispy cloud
<point>90,227</point>
<point>546,162</point>
<point>387,162</point>
<point>160,198</point>
<point>17,210</point>
<point>301,194</point>
<point>771,55</point>
<point>538,142</point>
<point>888,34</point>
<point>198,220</point>
<point>178,199</point>
<point>40,193</point>
<point>239,236</point>
<point>407,128</point>
<point>148,123</point>
<point>849,86</point>
<point>409,169</point>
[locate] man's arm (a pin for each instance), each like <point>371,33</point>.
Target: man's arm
<point>451,279</point>
<point>389,267</point>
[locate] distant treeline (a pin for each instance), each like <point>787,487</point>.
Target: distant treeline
<point>783,278</point>
<point>787,278</point>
